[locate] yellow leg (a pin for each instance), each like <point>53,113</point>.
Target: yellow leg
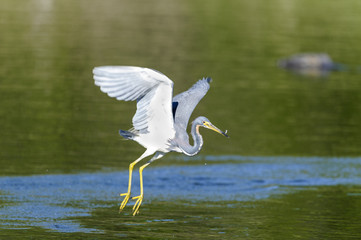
<point>140,197</point>
<point>131,166</point>
<point>127,194</point>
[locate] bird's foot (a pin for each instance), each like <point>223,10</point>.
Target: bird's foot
<point>125,200</point>
<point>137,204</point>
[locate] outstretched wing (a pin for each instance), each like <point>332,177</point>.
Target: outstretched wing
<point>152,90</point>
<point>185,102</point>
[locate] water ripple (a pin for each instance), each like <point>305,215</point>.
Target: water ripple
<point>49,200</point>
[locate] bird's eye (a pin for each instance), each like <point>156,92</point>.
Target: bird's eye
<point>204,122</point>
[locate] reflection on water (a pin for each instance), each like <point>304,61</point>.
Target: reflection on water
<point>53,120</point>
<point>56,201</point>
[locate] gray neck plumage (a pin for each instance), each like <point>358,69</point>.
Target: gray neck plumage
<point>197,142</point>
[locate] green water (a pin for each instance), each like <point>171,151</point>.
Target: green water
<point>53,120</point>
<point>328,213</point>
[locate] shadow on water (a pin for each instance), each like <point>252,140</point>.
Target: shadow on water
<point>61,203</point>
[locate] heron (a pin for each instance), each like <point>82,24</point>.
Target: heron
<point>160,122</point>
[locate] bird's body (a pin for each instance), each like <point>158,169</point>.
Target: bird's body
<point>160,122</point>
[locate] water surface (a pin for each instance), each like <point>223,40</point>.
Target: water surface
<point>63,163</point>
<point>64,203</point>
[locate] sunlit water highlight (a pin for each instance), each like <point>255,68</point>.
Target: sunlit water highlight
<point>49,201</point>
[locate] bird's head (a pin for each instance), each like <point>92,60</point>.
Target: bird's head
<point>204,122</point>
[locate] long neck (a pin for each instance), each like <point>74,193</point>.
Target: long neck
<point>197,142</point>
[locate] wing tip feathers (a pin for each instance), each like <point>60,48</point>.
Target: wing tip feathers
<point>208,79</point>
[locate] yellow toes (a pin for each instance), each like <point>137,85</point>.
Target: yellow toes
<point>125,200</point>
<point>137,204</point>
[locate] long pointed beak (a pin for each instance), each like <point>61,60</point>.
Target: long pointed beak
<point>214,128</point>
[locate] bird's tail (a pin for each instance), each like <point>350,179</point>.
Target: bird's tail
<point>126,134</point>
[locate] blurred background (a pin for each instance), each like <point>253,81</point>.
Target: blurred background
<point>53,118</point>
<point>271,89</point>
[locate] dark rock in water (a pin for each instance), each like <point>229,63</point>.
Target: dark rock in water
<point>310,64</point>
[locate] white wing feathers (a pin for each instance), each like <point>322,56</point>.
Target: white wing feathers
<point>151,89</point>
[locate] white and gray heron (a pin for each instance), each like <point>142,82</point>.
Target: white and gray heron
<point>160,122</point>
